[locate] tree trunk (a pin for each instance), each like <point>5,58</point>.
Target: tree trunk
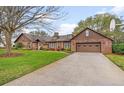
<point>8,37</point>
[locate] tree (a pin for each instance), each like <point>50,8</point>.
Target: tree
<point>14,18</point>
<point>39,32</point>
<point>100,23</point>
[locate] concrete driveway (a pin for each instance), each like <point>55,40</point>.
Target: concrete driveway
<point>76,69</point>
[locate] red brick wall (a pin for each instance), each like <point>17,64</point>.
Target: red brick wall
<point>25,41</point>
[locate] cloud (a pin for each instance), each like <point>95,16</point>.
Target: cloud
<point>63,29</point>
<point>66,28</point>
<point>104,10</point>
<point>117,9</point>
<point>24,30</point>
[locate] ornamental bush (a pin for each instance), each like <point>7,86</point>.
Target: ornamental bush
<point>18,45</point>
<point>118,48</point>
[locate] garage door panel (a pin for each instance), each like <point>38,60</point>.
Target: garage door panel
<point>90,47</point>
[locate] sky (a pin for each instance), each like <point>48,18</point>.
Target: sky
<point>77,13</point>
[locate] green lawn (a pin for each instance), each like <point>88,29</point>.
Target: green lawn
<point>12,68</point>
<point>117,59</point>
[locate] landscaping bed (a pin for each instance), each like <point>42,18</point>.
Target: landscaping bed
<point>30,60</point>
<point>5,55</point>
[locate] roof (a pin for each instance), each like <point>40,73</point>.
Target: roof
<point>93,31</point>
<point>33,38</point>
<point>60,38</point>
<point>68,37</point>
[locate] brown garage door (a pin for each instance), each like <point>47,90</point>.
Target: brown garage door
<point>88,47</point>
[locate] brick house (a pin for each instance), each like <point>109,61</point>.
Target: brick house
<point>30,41</point>
<point>35,42</point>
<point>87,40</point>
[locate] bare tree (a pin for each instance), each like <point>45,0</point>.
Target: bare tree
<point>13,18</point>
<point>39,32</point>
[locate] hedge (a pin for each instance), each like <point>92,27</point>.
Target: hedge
<point>118,48</point>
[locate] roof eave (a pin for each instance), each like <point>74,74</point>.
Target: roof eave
<point>59,41</point>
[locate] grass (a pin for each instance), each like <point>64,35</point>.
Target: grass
<point>117,59</point>
<point>12,68</point>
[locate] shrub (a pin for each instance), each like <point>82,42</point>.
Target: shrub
<point>18,45</point>
<point>67,50</point>
<point>118,48</point>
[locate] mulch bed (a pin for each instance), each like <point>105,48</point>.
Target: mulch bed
<point>11,55</point>
<point>119,53</point>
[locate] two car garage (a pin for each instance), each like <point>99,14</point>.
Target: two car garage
<point>88,47</point>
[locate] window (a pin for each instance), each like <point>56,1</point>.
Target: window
<point>52,45</point>
<point>87,33</point>
<point>66,45</point>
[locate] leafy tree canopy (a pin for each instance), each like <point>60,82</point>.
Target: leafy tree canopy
<point>100,23</point>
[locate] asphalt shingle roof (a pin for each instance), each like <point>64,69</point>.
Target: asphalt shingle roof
<point>60,38</point>
<point>33,38</point>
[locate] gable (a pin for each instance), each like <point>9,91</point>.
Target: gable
<point>92,35</point>
<point>22,38</point>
